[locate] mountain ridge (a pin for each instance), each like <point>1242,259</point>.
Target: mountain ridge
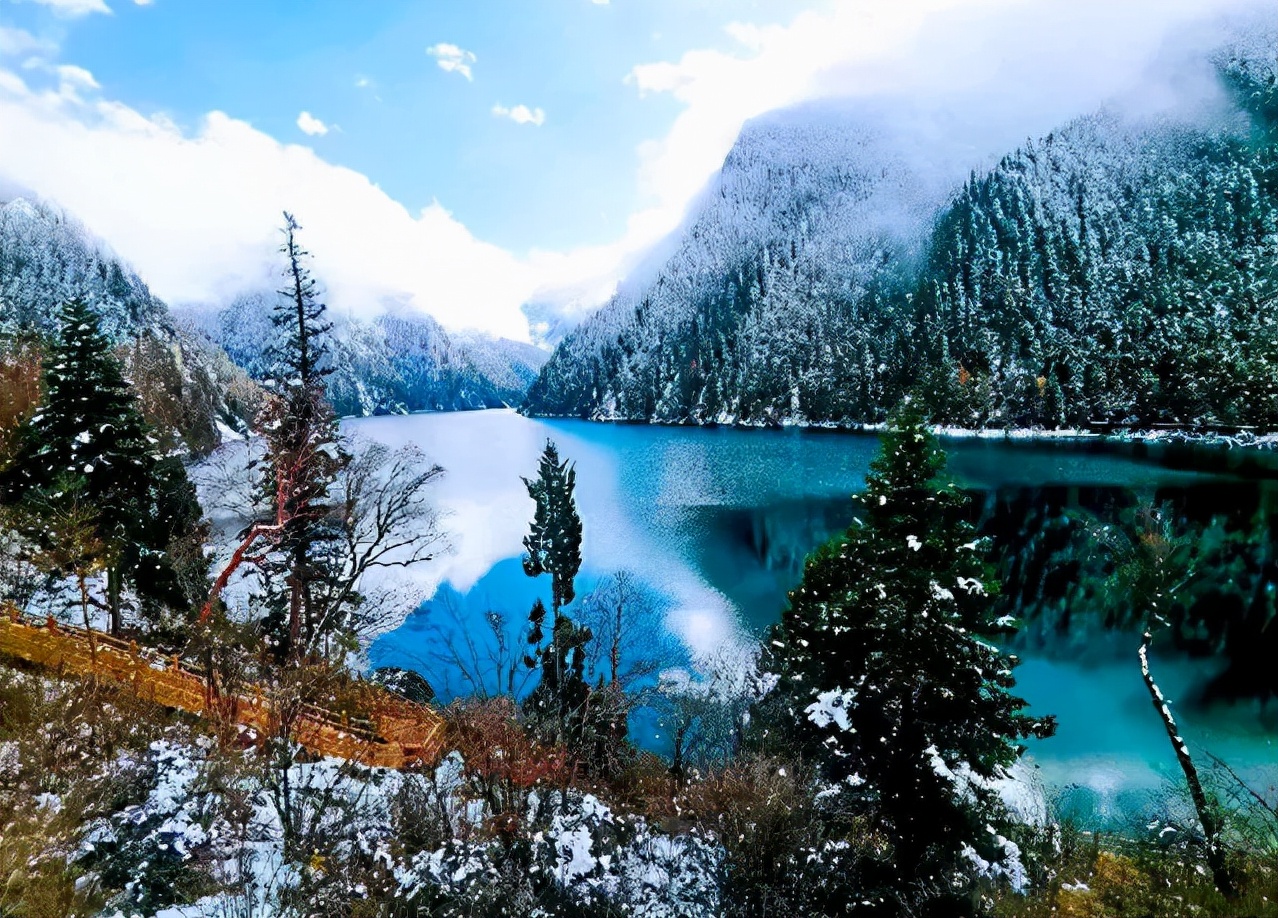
<point>189,390</point>
<point>399,361</point>
<point>803,292</point>
<point>196,368</point>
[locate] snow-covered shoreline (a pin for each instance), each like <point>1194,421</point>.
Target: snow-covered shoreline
<point>1266,441</point>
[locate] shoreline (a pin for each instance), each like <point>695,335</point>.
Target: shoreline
<point>1244,440</point>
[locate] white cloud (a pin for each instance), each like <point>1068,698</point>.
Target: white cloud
<point>144,2</point>
<point>521,114</point>
<point>362,82</point>
<point>68,81</point>
<point>12,83</point>
<point>199,217</point>
<point>73,9</point>
<point>452,59</point>
<point>311,125</point>
<point>78,77</point>
<point>15,42</point>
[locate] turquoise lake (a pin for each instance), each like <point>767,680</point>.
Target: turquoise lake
<point>714,525</point>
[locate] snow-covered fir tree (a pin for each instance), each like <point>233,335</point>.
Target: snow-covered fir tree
<point>87,452</point>
<point>887,672</point>
<point>558,702</point>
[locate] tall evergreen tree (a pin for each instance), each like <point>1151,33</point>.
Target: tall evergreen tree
<point>299,318</point>
<point>553,546</point>
<point>88,447</point>
<point>887,673</point>
<point>303,458</point>
<point>553,542</point>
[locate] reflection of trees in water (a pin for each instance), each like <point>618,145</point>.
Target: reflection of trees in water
<point>1055,579</point>
<point>783,537</point>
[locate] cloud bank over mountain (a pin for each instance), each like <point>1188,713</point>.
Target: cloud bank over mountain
<point>194,207</point>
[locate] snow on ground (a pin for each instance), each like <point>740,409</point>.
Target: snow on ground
<point>590,853</point>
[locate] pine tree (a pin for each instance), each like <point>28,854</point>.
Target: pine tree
<point>553,542</point>
<point>88,447</point>
<point>299,317</point>
<point>303,458</point>
<point>886,670</point>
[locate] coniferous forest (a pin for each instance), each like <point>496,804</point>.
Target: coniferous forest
<point>314,604</point>
<point>1110,272</point>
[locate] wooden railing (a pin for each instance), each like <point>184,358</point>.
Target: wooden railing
<point>388,731</point>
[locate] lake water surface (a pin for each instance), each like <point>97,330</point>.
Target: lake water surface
<point>716,522</point>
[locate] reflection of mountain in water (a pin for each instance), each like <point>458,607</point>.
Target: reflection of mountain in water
<point>1054,575</point>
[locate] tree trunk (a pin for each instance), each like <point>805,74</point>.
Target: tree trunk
<point>237,559</point>
<point>83,582</point>
<point>1207,816</point>
<point>114,616</point>
<point>296,587</point>
<point>676,763</point>
<point>557,660</point>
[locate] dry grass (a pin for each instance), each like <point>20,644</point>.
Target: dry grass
<point>1113,877</point>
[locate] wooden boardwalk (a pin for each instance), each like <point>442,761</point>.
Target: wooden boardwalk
<point>389,732</point>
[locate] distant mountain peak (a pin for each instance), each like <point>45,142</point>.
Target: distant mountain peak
<point>399,360</point>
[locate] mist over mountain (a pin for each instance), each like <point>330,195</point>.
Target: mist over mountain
<point>188,387</point>
<point>194,366</point>
<point>1118,268</point>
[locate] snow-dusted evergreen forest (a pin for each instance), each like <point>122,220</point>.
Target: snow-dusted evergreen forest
<point>399,361</point>
<point>1118,270</point>
<point>189,388</point>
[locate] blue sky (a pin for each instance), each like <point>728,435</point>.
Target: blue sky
<point>468,158</point>
<point>422,133</point>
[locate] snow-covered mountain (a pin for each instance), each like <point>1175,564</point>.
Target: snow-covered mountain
<point>1118,269</point>
<point>188,386</point>
<point>194,367</point>
<point>399,361</point>
<point>814,207</point>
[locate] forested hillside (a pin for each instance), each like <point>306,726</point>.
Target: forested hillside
<point>399,361</point>
<point>1115,270</point>
<point>753,316</point>
<point>186,385</point>
<point>194,368</point>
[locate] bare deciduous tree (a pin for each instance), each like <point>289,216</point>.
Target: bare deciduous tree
<point>704,709</point>
<point>482,663</point>
<point>384,513</point>
<point>629,643</point>
<point>380,507</point>
<point>289,504</point>
<point>1152,565</point>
